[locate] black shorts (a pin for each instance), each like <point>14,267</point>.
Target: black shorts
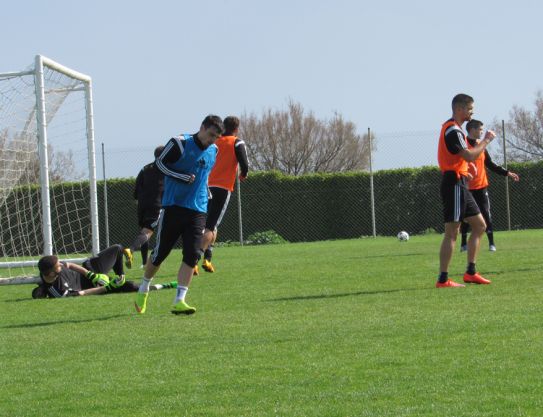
<point>148,216</point>
<point>217,207</point>
<point>458,203</point>
<point>174,222</point>
<point>482,200</point>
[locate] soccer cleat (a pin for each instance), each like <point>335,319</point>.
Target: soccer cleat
<point>475,279</point>
<point>182,308</point>
<point>172,284</point>
<point>492,248</point>
<point>141,302</point>
<point>208,266</point>
<point>196,272</point>
<point>463,248</point>
<point>448,283</point>
<point>129,259</point>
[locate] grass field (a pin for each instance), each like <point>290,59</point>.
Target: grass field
<point>340,328</point>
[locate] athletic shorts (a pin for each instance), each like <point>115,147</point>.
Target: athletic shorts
<point>175,222</point>
<point>148,216</point>
<point>458,203</point>
<point>216,207</point>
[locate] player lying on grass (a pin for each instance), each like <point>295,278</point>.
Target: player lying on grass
<point>65,279</point>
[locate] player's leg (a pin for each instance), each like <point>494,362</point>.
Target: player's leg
<point>478,227</point>
<point>194,224</point>
<point>464,229</point>
<point>452,201</point>
<point>217,209</point>
<point>168,231</point>
<point>483,202</point>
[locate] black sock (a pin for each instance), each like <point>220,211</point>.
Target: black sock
<point>443,277</point>
<point>490,238</point>
<point>144,252</point>
<point>471,268</point>
<point>208,253</point>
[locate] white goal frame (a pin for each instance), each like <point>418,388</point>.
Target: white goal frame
<point>85,85</point>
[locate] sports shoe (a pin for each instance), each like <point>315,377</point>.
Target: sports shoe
<point>208,266</point>
<point>463,248</point>
<point>448,283</point>
<point>196,272</point>
<point>128,257</point>
<point>492,248</point>
<point>182,308</point>
<point>172,284</point>
<point>141,302</point>
<point>475,279</point>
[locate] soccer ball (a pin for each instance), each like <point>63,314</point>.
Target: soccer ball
<point>403,236</point>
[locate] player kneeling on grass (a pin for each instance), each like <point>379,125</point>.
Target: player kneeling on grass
<point>65,279</point>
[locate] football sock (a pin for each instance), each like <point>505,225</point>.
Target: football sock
<point>144,251</point>
<point>180,294</point>
<point>208,253</point>
<point>145,283</point>
<point>471,268</point>
<point>490,238</point>
<point>443,277</point>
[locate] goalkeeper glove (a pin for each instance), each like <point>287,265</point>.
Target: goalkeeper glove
<point>98,279</point>
<point>117,282</point>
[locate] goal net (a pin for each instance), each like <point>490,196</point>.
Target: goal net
<point>48,202</point>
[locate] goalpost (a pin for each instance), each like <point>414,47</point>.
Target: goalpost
<point>48,194</point>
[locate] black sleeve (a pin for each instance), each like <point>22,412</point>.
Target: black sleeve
<point>139,184</point>
<point>172,152</point>
<point>489,163</point>
<point>241,155</point>
<point>455,140</point>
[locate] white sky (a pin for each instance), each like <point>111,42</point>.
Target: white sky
<point>159,67</point>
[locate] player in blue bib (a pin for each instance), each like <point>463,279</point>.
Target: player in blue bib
<point>186,163</point>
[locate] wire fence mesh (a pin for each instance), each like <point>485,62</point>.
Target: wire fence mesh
<point>319,208</point>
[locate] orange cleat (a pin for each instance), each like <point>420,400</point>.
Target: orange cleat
<point>475,279</point>
<point>196,272</point>
<point>448,283</point>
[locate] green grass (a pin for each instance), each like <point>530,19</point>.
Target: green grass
<point>342,328</point>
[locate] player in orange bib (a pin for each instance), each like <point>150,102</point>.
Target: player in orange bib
<point>232,152</point>
<point>455,161</point>
<point>478,185</point>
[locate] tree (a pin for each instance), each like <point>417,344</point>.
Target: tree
<point>20,165</point>
<point>295,142</point>
<point>524,132</point>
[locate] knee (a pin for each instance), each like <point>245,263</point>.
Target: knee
<point>192,257</point>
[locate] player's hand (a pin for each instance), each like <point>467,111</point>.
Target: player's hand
<point>469,176</point>
<point>489,136</point>
<point>514,176</point>
<point>242,177</point>
<point>192,178</point>
<point>98,279</point>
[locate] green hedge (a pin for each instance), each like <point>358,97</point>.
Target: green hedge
<point>306,208</point>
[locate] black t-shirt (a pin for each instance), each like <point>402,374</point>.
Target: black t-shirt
<point>67,283</point>
<point>149,186</point>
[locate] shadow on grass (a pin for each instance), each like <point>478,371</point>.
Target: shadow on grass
<point>53,323</point>
<point>345,294</point>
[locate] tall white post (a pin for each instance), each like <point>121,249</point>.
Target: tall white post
<point>41,121</point>
<point>372,193</point>
<point>92,168</point>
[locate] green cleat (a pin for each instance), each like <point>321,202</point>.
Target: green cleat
<point>141,302</point>
<point>129,258</point>
<point>182,308</point>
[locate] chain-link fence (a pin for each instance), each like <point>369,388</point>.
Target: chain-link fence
<point>393,197</point>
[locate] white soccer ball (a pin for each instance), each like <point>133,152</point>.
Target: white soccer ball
<point>403,236</point>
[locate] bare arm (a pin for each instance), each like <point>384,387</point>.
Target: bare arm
<point>472,154</point>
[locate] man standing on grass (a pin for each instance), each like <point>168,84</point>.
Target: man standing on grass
<point>186,163</point>
<point>232,153</point>
<point>455,159</point>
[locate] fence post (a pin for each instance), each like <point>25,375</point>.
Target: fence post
<point>240,220</point>
<point>508,206</point>
<point>106,217</point>
<point>372,194</point>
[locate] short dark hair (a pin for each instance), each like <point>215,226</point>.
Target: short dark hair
<point>47,263</point>
<point>158,150</point>
<point>474,124</point>
<point>231,123</point>
<point>213,121</point>
<point>39,292</point>
<point>461,100</point>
